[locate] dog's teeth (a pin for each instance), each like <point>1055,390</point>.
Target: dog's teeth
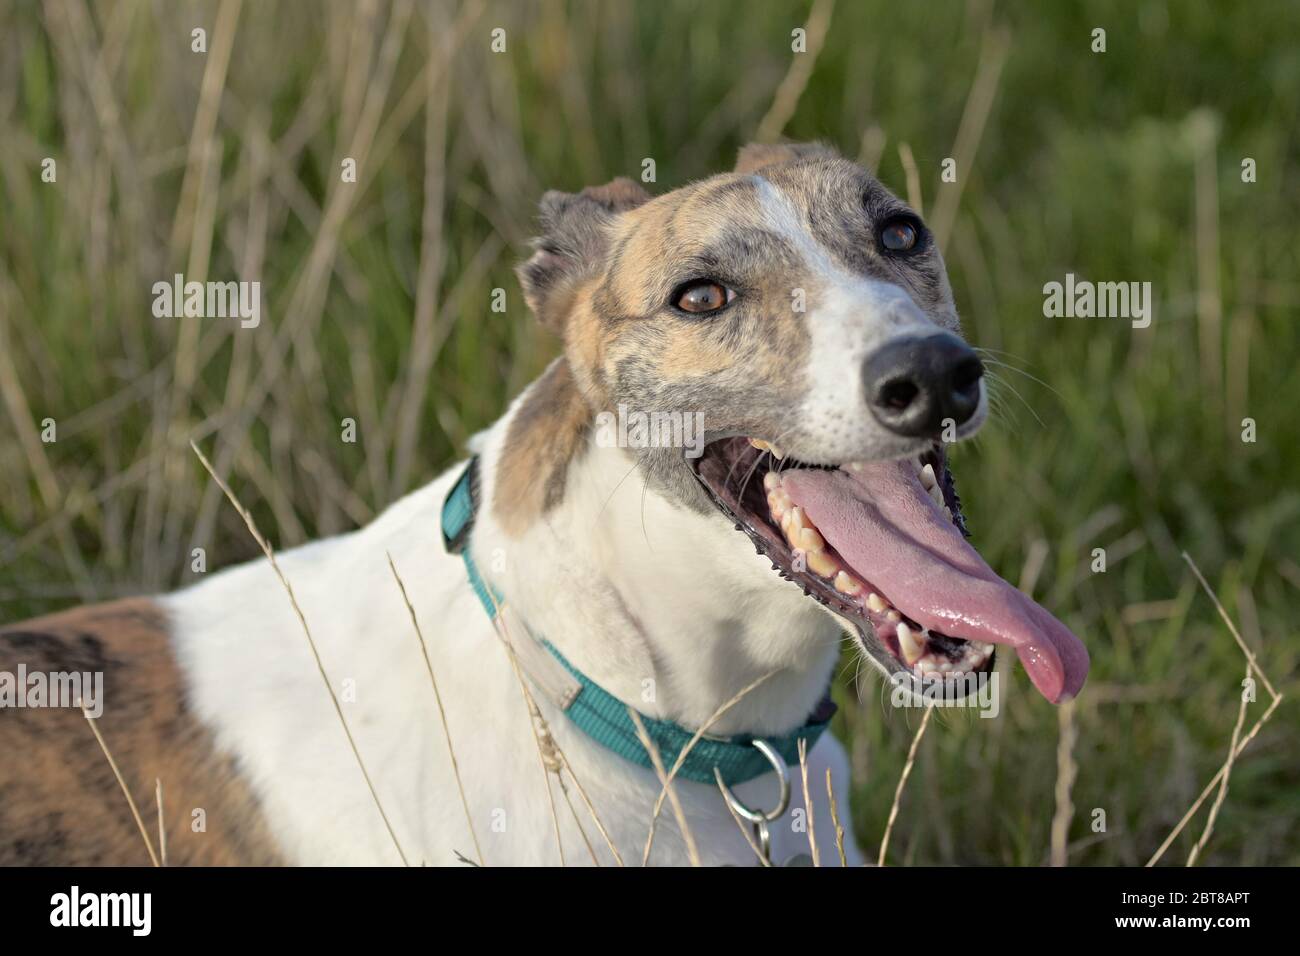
<point>847,585</point>
<point>911,644</point>
<point>771,481</point>
<point>796,518</point>
<point>821,563</point>
<point>936,495</point>
<point>767,446</point>
<point>875,602</point>
<point>927,477</point>
<point>893,617</point>
<point>810,540</point>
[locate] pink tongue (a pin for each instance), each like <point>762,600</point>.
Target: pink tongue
<point>885,526</point>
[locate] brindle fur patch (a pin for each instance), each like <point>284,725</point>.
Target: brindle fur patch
<point>60,803</point>
<point>545,434</point>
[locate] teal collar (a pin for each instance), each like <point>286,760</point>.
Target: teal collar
<point>602,716</point>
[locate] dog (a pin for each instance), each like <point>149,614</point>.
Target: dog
<point>585,587</point>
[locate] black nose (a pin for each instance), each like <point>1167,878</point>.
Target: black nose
<point>915,383</point>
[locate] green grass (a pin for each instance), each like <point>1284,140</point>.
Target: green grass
<point>1115,166</point>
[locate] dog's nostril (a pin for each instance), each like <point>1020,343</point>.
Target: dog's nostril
<point>966,377</point>
<point>897,394</point>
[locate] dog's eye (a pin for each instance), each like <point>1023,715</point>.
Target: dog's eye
<point>899,235</point>
<point>703,296</point>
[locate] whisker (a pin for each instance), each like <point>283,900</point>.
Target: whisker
<point>1032,378</point>
<point>1003,383</point>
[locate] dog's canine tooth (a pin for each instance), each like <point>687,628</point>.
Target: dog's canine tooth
<point>911,643</point>
<point>847,585</point>
<point>767,446</point>
<point>927,477</point>
<point>936,495</point>
<point>771,481</point>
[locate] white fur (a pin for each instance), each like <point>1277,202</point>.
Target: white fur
<point>631,588</point>
<point>853,316</point>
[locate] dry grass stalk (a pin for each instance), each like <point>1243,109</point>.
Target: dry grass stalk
<point>658,762</point>
<point>1209,787</point>
<point>320,667</point>
<point>577,821</point>
<point>1232,628</point>
<point>1237,748</point>
<point>979,103</point>
<point>162,832</point>
<point>553,751</point>
<point>745,829</point>
<point>913,177</point>
<point>902,782</point>
<point>690,745</point>
<point>835,819</point>
<point>786,99</point>
<point>120,782</point>
<point>1203,134</point>
<point>807,801</point>
<point>47,483</point>
<point>1066,770</point>
<point>1223,783</point>
<point>442,713</point>
<point>546,748</point>
<point>591,809</point>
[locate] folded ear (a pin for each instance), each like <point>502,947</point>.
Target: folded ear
<point>575,231</point>
<point>755,156</point>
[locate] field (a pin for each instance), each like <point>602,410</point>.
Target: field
<point>1123,165</point>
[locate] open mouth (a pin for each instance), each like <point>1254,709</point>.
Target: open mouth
<point>882,545</point>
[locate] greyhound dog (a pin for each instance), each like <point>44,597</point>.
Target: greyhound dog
<point>601,605</point>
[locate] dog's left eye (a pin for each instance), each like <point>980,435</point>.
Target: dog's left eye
<point>703,296</point>
<point>899,235</point>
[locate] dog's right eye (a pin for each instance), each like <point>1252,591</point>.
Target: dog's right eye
<point>703,296</point>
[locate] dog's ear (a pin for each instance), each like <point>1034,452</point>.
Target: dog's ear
<point>575,230</point>
<point>755,156</point>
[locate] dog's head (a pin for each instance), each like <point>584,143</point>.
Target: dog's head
<point>801,314</point>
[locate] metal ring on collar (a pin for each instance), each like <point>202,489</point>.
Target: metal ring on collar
<point>783,802</point>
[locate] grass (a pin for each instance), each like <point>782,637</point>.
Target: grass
<point>377,307</point>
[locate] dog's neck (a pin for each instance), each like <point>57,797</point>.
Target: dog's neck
<point>668,609</point>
